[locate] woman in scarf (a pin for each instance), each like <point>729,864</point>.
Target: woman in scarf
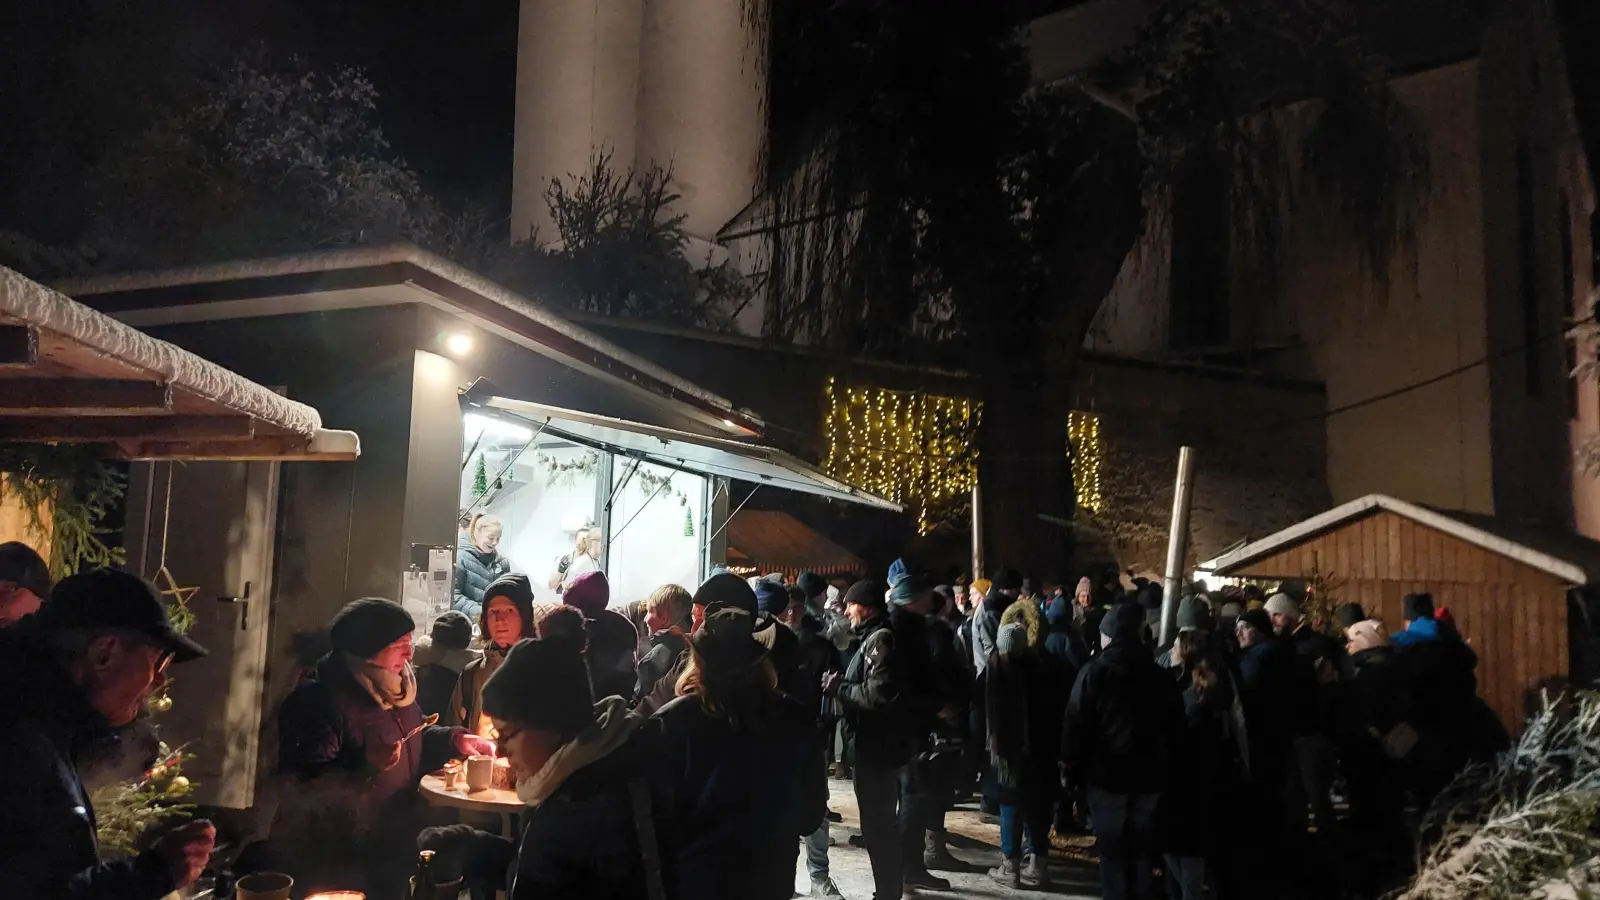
<point>351,748</point>
<point>588,773</point>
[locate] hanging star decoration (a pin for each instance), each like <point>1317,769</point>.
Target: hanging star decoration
<point>179,595</point>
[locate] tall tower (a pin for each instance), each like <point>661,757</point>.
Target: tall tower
<point>678,83</point>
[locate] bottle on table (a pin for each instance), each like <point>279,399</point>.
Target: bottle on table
<point>422,879</point>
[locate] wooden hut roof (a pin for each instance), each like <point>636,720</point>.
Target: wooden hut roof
<point>69,374</point>
<point>1563,555</point>
<point>777,540</point>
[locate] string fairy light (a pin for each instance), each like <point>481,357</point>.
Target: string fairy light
<point>918,449</point>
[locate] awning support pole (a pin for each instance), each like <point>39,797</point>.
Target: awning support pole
<point>1177,544</point>
<point>626,477</point>
<point>618,533</point>
<point>977,530</point>
<point>735,512</point>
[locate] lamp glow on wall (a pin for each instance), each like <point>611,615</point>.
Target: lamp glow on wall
<point>458,344</point>
<point>916,448</point>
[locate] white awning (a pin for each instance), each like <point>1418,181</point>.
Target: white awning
<point>691,452</point>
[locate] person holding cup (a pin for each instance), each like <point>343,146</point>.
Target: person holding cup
<point>352,747</point>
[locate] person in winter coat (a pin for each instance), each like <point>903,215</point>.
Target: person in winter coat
<point>349,807</point>
<point>440,659</point>
<point>941,765</point>
<point>667,623</point>
<point>1196,817</point>
<point>478,563</point>
<point>1269,685</point>
<point>1003,591</point>
<point>783,646</point>
<point>1027,696</point>
<point>1375,704</point>
<point>746,766</point>
<point>612,653</point>
<point>72,674</point>
<point>1317,664</point>
<point>1122,729</point>
<point>505,618</point>
<point>818,659</point>
<point>591,777</point>
<point>876,696</point>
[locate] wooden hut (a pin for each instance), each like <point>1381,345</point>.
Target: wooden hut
<point>1507,584</point>
<point>764,541</point>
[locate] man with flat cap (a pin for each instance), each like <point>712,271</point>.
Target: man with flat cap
<point>73,673</point>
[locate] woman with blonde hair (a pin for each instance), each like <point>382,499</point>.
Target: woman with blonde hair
<point>479,563</point>
<point>747,765</point>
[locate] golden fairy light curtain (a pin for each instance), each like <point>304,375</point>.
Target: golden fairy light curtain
<point>916,448</point>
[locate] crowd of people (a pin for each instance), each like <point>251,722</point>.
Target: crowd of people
<point>680,746</point>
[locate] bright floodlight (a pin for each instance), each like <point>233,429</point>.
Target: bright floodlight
<point>459,344</point>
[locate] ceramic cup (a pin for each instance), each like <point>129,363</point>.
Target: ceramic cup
<point>480,773</point>
<point>263,886</point>
<point>450,779</point>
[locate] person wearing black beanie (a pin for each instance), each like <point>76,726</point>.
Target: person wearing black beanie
<point>723,589</point>
<point>505,618</point>
<point>589,774</point>
<point>1121,737</point>
<point>349,808</point>
<point>440,659</point>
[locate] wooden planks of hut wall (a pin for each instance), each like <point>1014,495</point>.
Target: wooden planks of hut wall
<point>1513,616</point>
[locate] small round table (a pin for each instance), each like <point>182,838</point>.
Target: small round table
<point>491,800</point>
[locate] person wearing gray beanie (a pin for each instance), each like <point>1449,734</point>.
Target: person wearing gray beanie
<point>1284,613</point>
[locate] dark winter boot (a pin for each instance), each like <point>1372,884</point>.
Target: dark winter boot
<point>935,855</point>
<point>922,879</point>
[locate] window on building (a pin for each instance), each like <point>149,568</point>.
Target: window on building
<point>1201,255</point>
<point>1528,263</point>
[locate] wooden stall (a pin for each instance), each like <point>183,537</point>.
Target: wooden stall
<point>764,541</point>
<point>1505,583</point>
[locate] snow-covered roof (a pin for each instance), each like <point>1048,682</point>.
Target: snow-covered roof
<point>1568,557</point>
<point>73,374</point>
<point>369,276</point>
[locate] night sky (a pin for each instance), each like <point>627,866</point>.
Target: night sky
<point>74,71</point>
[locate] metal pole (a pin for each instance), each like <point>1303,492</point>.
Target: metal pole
<point>1177,543</point>
<point>977,531</point>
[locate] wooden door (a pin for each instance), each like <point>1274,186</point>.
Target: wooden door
<point>220,537</point>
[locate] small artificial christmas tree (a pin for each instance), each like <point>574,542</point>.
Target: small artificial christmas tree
<point>688,522</point>
<point>480,479</point>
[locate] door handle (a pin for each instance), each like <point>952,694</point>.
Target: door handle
<point>244,606</point>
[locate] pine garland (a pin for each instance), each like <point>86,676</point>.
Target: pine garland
<point>77,487</point>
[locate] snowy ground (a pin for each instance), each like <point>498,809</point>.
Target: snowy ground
<point>972,841</point>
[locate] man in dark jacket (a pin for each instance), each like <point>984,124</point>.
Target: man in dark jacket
<point>349,810</point>
<point>72,674</point>
<point>1122,728</point>
<point>877,700</point>
<point>819,658</point>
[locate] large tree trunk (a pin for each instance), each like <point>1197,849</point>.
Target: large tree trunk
<point>1027,381</point>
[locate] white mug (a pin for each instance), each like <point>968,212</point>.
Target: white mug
<point>480,773</point>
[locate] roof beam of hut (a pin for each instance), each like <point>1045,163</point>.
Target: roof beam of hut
<point>82,396</point>
<point>19,346</point>
<point>70,429</point>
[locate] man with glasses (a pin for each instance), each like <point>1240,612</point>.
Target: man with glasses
<point>72,674</point>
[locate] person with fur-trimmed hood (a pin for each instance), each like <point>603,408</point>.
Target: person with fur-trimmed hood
<point>505,618</point>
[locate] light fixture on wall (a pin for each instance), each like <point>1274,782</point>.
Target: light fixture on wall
<point>459,344</point>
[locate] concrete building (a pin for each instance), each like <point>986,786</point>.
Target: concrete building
<point>675,83</point>
<point>1446,377</point>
